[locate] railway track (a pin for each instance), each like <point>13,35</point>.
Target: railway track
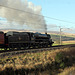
<point>14,52</point>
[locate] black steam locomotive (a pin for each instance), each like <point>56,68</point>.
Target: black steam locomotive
<point>23,40</point>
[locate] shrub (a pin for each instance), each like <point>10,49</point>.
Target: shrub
<point>59,60</point>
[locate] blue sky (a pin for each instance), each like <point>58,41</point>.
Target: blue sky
<point>59,9</point>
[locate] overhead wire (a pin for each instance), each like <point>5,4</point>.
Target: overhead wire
<point>37,14</point>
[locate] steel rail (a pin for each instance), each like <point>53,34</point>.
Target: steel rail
<point>15,52</point>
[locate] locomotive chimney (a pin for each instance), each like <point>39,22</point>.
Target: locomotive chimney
<point>46,29</point>
<point>46,33</point>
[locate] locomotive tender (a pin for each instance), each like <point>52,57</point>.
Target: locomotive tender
<point>23,40</point>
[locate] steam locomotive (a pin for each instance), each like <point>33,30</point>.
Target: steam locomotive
<point>23,40</point>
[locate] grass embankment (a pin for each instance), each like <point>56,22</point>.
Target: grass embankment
<point>68,71</point>
<point>41,63</point>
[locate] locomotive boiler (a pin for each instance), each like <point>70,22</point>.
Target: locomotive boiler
<point>23,40</point>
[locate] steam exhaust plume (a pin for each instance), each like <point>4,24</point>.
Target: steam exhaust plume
<point>28,18</point>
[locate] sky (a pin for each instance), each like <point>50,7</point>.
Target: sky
<point>58,9</point>
<point>57,13</point>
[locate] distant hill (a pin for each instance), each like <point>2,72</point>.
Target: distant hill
<point>54,34</point>
<point>63,33</point>
<point>64,38</point>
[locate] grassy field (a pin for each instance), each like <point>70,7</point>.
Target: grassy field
<point>68,42</point>
<point>64,43</point>
<point>40,63</point>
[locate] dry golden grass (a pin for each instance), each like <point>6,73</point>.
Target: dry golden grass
<point>33,60</point>
<point>68,71</point>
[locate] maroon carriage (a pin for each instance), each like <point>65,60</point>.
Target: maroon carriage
<point>1,39</point>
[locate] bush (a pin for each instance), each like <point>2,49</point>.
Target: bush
<point>59,57</point>
<point>59,60</point>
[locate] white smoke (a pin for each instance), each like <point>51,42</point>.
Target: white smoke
<point>28,17</point>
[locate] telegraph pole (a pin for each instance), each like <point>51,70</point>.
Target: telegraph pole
<point>60,36</point>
